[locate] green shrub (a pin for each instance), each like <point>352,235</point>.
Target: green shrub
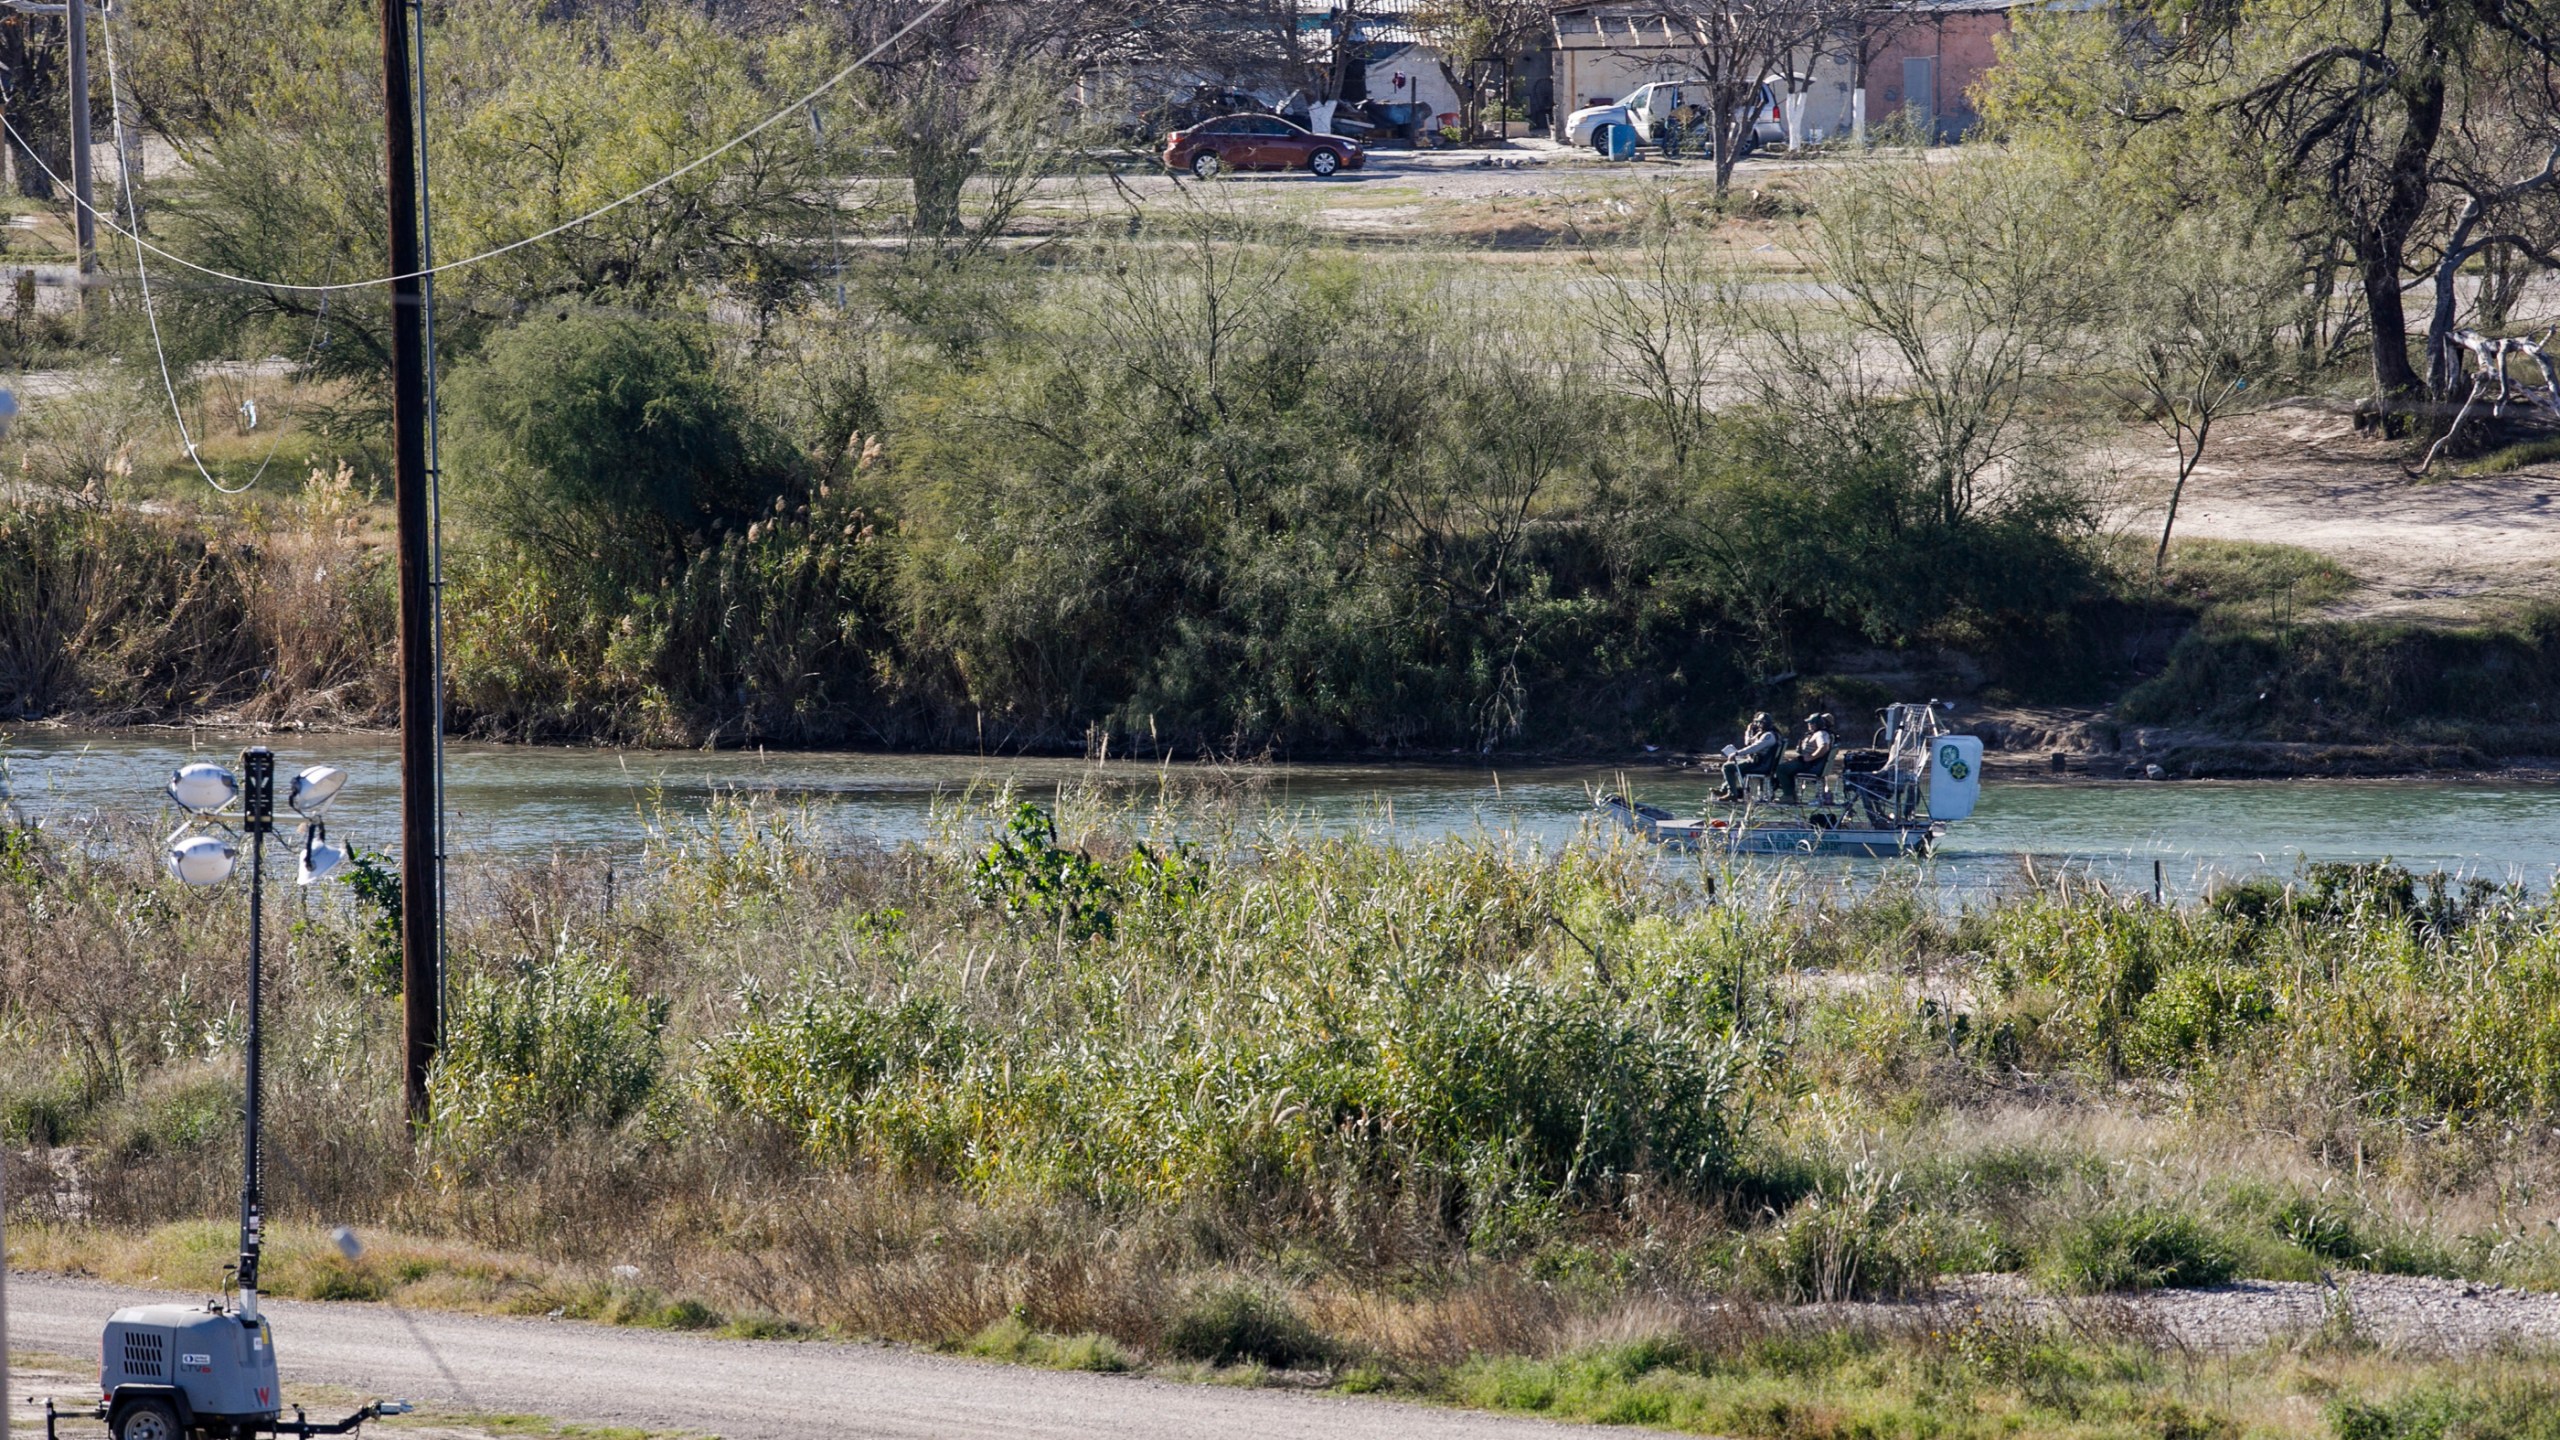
<point>2513,1408</point>
<point>601,442</point>
<point>1858,1242</point>
<point>374,956</point>
<point>2136,1248</point>
<point>1046,888</point>
<point>49,1113</point>
<point>544,1047</point>
<point>2326,1230</point>
<point>1238,1324</point>
<point>811,1066</point>
<point>1394,1045</point>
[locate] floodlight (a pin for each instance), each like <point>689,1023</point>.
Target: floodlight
<point>314,788</point>
<point>319,857</point>
<point>203,787</point>
<point>202,860</point>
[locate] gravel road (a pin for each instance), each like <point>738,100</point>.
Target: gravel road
<point>782,1390</point>
<point>745,1389</point>
<point>2410,1314</point>
<point>2405,1314</point>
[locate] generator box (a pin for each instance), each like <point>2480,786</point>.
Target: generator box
<point>223,1366</point>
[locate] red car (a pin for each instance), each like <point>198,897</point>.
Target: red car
<point>1257,142</point>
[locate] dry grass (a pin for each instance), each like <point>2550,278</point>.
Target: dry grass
<point>1887,1147</point>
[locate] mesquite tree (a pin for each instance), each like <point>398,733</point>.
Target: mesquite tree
<point>1732,46</point>
<point>2201,305</point>
<point>2403,139</point>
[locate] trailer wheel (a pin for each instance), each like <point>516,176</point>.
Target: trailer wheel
<point>149,1420</point>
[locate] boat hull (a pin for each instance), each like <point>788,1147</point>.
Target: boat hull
<point>1759,836</point>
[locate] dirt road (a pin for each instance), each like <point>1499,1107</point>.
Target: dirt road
<point>742,1389</point>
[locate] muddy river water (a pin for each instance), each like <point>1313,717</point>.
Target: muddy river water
<point>526,800</point>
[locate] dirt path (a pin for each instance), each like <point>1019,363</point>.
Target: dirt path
<point>745,1389</point>
<point>2445,547</point>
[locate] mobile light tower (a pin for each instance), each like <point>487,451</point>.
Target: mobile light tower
<point>168,1371</point>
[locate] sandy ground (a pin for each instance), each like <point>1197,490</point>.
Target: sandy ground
<point>2443,547</point>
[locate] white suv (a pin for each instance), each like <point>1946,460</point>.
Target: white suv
<point>1662,108</point>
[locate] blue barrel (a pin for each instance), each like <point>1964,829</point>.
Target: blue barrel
<point>1618,142</point>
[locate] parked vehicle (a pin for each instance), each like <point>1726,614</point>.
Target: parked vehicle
<point>1204,103</point>
<point>1258,142</point>
<point>1670,114</point>
<point>1347,120</point>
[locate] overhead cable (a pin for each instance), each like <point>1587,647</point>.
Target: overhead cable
<point>133,210</point>
<point>733,142</point>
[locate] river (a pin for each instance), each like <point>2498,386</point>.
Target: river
<point>532,800</point>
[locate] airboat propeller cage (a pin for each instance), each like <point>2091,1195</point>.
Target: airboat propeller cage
<point>1955,776</point>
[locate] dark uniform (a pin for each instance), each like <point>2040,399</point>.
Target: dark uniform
<point>1757,755</point>
<point>1809,757</point>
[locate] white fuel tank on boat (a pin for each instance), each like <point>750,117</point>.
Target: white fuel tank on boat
<point>1955,776</point>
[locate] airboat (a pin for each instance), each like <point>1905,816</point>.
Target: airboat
<point>1896,796</point>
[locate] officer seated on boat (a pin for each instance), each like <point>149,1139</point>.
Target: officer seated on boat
<point>1811,755</point>
<point>1756,755</point>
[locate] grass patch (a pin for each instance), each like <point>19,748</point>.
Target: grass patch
<point>1232,1111</point>
<point>2509,459</point>
<point>2509,1407</point>
<point>2272,672</point>
<point>2137,1248</point>
<point>2247,584</point>
<point>1013,1339</point>
<point>1237,1324</point>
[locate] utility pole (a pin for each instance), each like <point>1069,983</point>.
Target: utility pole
<point>84,218</point>
<point>419,918</point>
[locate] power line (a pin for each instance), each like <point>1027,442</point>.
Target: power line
<point>133,213</point>
<point>133,209</point>
<point>733,142</point>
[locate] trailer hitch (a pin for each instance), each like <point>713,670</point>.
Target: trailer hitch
<point>303,1429</point>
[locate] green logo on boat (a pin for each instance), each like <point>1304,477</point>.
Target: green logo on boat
<point>1953,760</point>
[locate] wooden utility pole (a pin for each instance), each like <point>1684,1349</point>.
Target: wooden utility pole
<point>419,910</point>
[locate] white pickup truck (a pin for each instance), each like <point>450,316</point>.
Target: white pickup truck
<point>1666,114</point>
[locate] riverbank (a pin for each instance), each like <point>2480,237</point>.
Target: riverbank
<point>2019,748</point>
<point>1464,1118</point>
<point>201,622</point>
